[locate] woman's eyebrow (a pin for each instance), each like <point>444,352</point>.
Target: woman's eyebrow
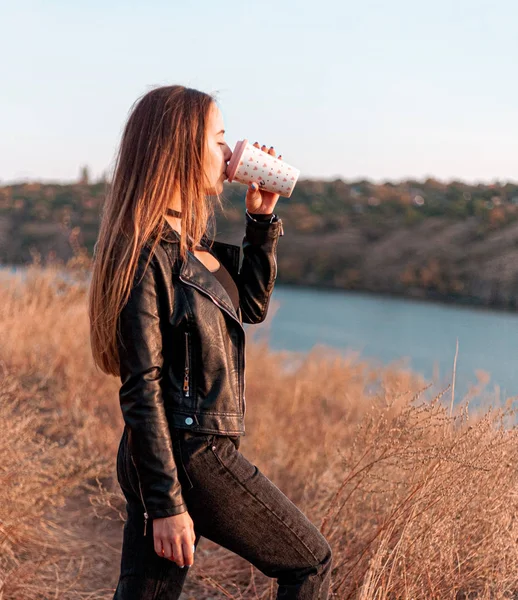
<point>222,131</point>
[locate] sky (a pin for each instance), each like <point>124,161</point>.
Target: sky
<point>367,89</point>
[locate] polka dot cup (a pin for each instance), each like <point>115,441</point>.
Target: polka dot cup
<point>250,164</point>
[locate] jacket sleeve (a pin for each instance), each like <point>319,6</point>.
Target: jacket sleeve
<point>139,342</point>
<point>259,267</point>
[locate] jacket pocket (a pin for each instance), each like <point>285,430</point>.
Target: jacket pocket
<point>132,475</point>
<point>187,367</point>
<point>146,516</point>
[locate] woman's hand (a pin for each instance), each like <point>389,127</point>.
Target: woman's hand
<point>260,201</point>
<point>174,538</point>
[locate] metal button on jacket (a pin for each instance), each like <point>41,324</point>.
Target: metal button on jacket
<point>189,421</point>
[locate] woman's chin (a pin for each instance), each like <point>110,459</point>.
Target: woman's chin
<point>215,191</point>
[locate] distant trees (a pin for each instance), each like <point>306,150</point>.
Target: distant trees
<point>84,175</point>
<point>390,236</point>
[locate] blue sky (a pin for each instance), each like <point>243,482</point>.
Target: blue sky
<point>383,90</point>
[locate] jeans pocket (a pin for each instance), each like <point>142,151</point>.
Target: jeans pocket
<point>225,450</point>
<point>181,466</point>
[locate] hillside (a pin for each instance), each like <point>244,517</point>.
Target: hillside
<point>448,241</point>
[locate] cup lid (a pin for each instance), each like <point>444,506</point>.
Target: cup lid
<point>236,157</point>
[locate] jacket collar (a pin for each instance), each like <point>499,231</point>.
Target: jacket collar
<point>195,273</point>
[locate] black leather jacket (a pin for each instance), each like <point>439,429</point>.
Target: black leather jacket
<point>181,348</point>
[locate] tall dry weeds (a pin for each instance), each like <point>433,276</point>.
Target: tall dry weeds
<point>417,503</point>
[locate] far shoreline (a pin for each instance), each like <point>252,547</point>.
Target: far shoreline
<point>416,295</point>
<point>419,296</point>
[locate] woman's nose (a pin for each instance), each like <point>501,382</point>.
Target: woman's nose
<point>228,155</point>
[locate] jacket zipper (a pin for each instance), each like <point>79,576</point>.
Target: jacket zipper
<point>230,314</point>
<point>146,516</point>
<point>187,366</point>
<point>244,378</point>
<point>244,367</point>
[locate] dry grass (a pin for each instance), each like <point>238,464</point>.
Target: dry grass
<point>417,503</point>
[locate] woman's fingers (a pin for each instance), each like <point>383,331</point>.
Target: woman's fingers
<point>174,538</point>
<point>178,552</point>
<point>264,148</point>
<point>188,554</point>
<point>157,542</point>
<point>168,551</point>
<point>161,547</point>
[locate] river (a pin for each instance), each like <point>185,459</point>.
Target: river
<point>390,329</point>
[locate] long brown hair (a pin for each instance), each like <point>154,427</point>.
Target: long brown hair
<point>162,147</point>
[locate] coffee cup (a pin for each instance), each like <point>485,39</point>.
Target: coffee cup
<point>249,164</point>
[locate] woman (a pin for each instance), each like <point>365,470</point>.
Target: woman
<point>167,306</point>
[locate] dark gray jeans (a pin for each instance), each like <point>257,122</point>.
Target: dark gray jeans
<point>232,503</point>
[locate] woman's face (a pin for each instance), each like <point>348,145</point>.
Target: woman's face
<point>218,152</point>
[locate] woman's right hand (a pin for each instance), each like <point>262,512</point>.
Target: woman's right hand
<point>174,538</point>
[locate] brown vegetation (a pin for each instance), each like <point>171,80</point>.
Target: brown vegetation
<point>415,502</point>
